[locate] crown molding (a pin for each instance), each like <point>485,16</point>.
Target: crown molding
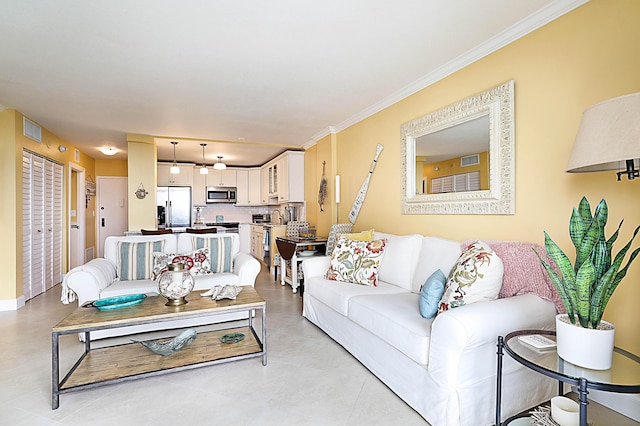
<point>511,34</point>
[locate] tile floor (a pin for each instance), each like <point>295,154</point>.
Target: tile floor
<point>309,379</point>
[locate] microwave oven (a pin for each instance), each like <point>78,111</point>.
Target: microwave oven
<point>217,194</point>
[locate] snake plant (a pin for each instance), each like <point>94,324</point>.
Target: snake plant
<point>586,287</point>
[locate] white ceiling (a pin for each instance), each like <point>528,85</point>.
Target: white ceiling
<point>278,74</point>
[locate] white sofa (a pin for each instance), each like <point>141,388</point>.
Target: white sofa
<point>445,368</point>
<point>98,279</point>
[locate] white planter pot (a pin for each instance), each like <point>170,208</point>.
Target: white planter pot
<point>585,347</point>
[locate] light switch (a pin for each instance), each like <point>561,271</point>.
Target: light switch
<point>73,213</point>
<point>121,202</point>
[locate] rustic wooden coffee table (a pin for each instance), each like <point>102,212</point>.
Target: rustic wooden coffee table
<point>114,364</point>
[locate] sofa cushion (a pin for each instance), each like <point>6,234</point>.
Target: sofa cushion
<point>111,243</point>
<point>356,261</point>
<point>135,259</point>
<point>431,293</point>
<point>435,253</point>
<point>220,252</point>
<point>400,259</point>
<point>395,319</point>
<point>197,262</point>
<point>336,294</point>
<point>476,277</point>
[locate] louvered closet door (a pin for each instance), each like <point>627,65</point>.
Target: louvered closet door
<point>27,225</point>
<point>42,192</point>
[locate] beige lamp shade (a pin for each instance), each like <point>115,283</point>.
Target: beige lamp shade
<point>608,136</point>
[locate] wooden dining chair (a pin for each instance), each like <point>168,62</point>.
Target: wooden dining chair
<point>202,230</point>
<point>156,231</point>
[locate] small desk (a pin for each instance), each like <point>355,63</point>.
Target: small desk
<point>289,249</point>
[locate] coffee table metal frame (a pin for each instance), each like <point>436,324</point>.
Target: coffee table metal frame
<point>582,383</point>
<point>248,301</point>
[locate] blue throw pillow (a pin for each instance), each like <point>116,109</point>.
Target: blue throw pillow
<point>431,293</point>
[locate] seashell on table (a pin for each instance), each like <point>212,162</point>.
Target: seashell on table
<point>220,292</point>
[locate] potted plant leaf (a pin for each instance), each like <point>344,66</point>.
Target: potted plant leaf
<point>586,287</point>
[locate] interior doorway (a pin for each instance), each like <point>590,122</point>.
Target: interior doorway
<point>77,223</point>
<point>112,206</point>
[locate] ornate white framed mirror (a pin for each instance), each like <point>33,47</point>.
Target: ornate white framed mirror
<point>460,159</point>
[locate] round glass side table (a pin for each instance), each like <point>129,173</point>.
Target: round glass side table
<point>622,377</point>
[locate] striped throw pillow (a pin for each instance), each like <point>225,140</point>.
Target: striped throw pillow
<point>135,260</point>
<point>219,252</point>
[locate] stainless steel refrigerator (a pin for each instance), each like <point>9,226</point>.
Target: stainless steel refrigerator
<point>174,206</point>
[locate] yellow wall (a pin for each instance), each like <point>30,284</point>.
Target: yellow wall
<point>142,169</point>
<point>111,168</point>
<point>9,224</point>
<point>586,56</point>
<point>12,142</point>
<point>313,159</point>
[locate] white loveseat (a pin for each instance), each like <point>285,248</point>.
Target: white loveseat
<point>98,279</point>
<point>445,368</point>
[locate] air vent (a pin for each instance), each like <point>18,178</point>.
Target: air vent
<point>32,130</point>
<point>470,160</point>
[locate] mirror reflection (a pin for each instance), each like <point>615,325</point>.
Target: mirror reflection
<point>460,159</point>
<point>455,159</point>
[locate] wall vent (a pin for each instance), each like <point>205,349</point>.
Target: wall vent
<point>470,160</point>
<point>31,130</point>
<point>88,254</point>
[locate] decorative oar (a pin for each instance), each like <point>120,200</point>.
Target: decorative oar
<point>357,204</point>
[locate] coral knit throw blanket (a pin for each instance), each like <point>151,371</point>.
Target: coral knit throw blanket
<point>523,272</point>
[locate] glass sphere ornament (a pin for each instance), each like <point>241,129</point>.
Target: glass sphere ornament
<point>175,284</point>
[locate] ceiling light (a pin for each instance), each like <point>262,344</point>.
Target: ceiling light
<point>203,169</point>
<point>609,138</point>
<point>174,170</point>
<point>108,150</point>
<point>219,165</point>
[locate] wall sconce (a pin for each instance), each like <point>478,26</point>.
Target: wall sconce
<point>608,137</point>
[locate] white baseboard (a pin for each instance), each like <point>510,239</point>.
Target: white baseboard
<point>11,304</point>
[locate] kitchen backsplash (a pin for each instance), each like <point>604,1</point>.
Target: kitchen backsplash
<point>231,213</point>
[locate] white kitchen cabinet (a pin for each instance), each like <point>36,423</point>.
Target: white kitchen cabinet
<point>224,178</point>
<point>254,187</point>
<point>248,185</point>
<point>257,242</point>
<point>264,185</point>
<point>285,179</point>
<point>198,190</point>
<point>184,178</point>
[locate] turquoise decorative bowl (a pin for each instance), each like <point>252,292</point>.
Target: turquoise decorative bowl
<point>118,302</point>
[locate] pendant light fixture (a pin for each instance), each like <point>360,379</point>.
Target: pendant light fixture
<point>174,169</point>
<point>203,169</point>
<point>219,165</point>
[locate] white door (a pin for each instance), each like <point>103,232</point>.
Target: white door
<point>112,208</point>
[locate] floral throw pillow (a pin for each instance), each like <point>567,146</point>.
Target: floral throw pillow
<point>475,277</point>
<point>356,261</point>
<point>197,262</point>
